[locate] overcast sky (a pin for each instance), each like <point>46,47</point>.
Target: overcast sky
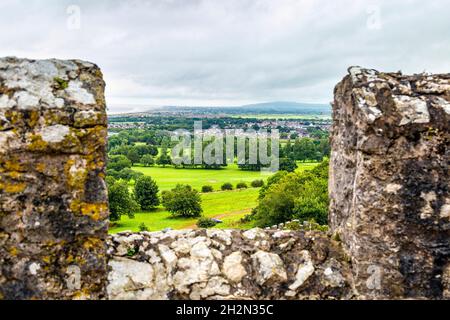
<point>229,52</point>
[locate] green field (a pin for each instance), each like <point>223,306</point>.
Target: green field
<point>228,206</point>
<point>169,177</point>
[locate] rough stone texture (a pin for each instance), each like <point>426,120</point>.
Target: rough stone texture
<point>389,212</point>
<point>53,200</point>
<point>390,181</point>
<point>227,264</point>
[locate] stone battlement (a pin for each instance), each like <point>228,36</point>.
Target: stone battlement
<point>389,211</point>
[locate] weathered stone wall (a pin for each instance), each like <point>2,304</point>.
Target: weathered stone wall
<point>227,264</point>
<point>389,213</point>
<point>390,182</point>
<point>53,200</point>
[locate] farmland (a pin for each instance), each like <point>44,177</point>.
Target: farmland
<point>228,206</point>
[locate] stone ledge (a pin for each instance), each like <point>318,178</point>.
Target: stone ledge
<point>227,264</point>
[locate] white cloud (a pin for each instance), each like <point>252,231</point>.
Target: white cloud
<point>230,52</point>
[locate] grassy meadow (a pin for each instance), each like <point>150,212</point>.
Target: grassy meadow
<point>228,206</point>
<point>169,177</point>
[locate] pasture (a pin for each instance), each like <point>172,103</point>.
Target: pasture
<point>169,177</point>
<point>228,206</point>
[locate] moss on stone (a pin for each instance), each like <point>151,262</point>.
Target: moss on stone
<point>61,83</point>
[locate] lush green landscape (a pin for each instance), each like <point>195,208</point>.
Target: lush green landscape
<point>228,206</point>
<point>169,177</point>
<point>151,190</point>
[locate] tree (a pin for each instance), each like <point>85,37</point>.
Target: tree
<point>119,162</point>
<point>182,201</point>
<point>133,156</point>
<point>287,164</point>
<point>146,193</point>
<point>120,201</point>
<point>304,149</point>
<point>295,195</point>
<point>312,202</point>
<point>164,158</point>
<point>147,160</point>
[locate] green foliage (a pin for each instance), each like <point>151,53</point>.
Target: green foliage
<point>241,185</point>
<point>147,160</point>
<point>143,227</point>
<point>257,183</point>
<point>110,180</point>
<point>310,225</point>
<point>182,201</point>
<point>302,196</point>
<point>304,149</point>
<point>226,186</point>
<point>270,181</point>
<point>126,174</point>
<point>146,193</point>
<point>206,223</point>
<point>287,164</point>
<point>119,162</point>
<point>121,201</point>
<point>133,156</point>
<point>206,189</point>
<point>164,159</point>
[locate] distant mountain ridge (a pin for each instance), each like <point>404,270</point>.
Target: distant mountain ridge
<point>286,106</point>
<point>265,108</point>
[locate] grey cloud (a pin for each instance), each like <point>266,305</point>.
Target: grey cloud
<point>231,52</point>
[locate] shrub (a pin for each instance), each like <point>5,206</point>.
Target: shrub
<point>241,185</point>
<point>143,227</point>
<point>257,183</point>
<point>182,201</point>
<point>146,193</point>
<point>206,189</point>
<point>287,164</point>
<point>110,180</point>
<point>227,186</point>
<point>206,223</point>
<point>302,196</point>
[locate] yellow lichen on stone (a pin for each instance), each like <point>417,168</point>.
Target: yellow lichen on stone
<point>33,118</point>
<point>14,174</point>
<point>13,165</point>
<point>14,251</point>
<point>13,188</point>
<point>46,259</point>
<point>40,167</point>
<point>37,144</point>
<point>96,211</point>
<point>76,173</point>
<point>92,243</point>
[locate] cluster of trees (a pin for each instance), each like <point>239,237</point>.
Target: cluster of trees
<point>288,196</point>
<point>306,149</point>
<point>182,201</point>
<point>153,137</point>
<point>123,202</point>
